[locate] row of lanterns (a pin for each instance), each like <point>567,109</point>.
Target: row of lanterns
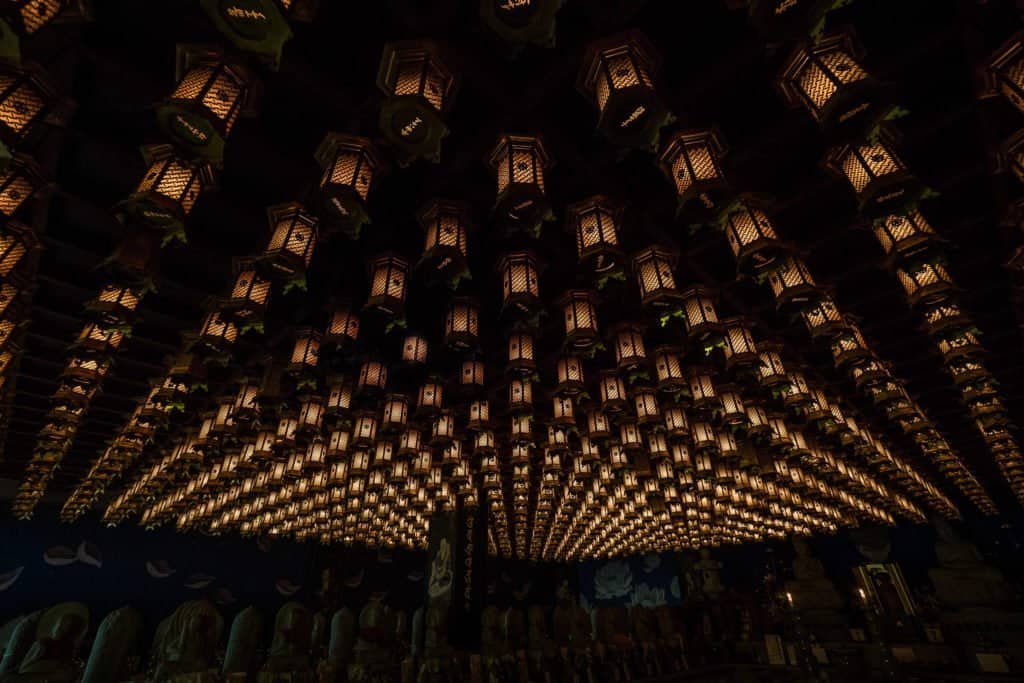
<point>212,90</point>
<point>827,80</point>
<point>260,468</point>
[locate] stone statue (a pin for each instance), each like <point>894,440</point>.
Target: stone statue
<point>59,636</point>
<point>710,571</point>
<point>23,634</point>
<point>289,650</point>
<point>811,590</point>
<point>243,640</point>
<point>962,578</point>
<point>186,640</point>
<point>373,656</point>
<point>116,639</point>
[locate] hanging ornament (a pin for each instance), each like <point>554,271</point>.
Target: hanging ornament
<point>419,89</point>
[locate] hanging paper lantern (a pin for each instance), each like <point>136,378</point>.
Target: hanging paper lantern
<point>472,374</point>
<point>739,349</point>
<point>791,283</point>
<point>211,92</point>
<point>926,283</point>
<point>99,339</point>
<point>562,410</point>
<point>21,179</point>
<point>595,224</point>
<point>249,295</point>
<point>629,346</point>
<point>373,375</point>
<point>414,349</point>
<point>519,22</point>
<point>669,369</point>
<point>1005,71</point>
<point>849,346</point>
<point>826,79</point>
<point>519,280</point>
<point>597,424</point>
<point>292,242</point>
<point>616,76</point>
<point>168,190</point>
<point>305,352</point>
<point>612,392</point>
<point>27,99</point>
<point>461,324</point>
<point>569,371</point>
<point>645,403</point>
<point>699,314</point>
<point>1011,155</point>
<point>430,397</point>
<point>479,414</point>
<point>653,267</point>
<point>876,174</point>
<point>388,278</point>
<point>16,241</point>
<point>823,318</point>
<point>580,316</point>
<point>520,395</point>
<point>446,224</point>
<point>520,353</point>
<point>217,332</point>
<point>692,160</point>
<point>945,317</point>
<point>350,165</point>
<point>519,164</point>
<point>343,325</point>
<point>904,235</point>
<point>751,236</point>
<point>419,89</point>
<point>965,344</point>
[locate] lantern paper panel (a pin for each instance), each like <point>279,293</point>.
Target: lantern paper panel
<point>692,160</point>
<point>520,163</point>
<point>519,23</point>
<point>292,240</point>
<point>595,223</point>
<point>876,174</point>
<point>388,280</point>
<point>169,189</point>
<point>445,224</point>
<point>580,317</point>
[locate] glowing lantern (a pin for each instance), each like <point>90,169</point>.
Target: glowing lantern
<point>904,235</point>
<point>563,411</point>
<point>964,344</point>
<point>699,313</point>
<point>849,346</point>
<point>396,409</point>
<point>595,223</point>
<point>827,80</point>
<point>792,283</point>
<point>739,348</point>
<point>520,353</point>
<point>479,414</point>
<point>461,324</point>
<point>211,92</point>
<point>944,316</point>
<point>928,283</point>
<point>115,303</point>
<point>876,174</point>
<point>580,316</point>
<point>519,163</point>
<point>653,267</point>
<point>613,392</point>
<point>629,346</point>
<point>414,349</point>
<point>250,293</point>
<point>823,318</point>
<point>1006,71</point>
<point>520,395</point>
<point>519,282</point>
<point>388,278</point>
<point>27,98</point>
<point>645,402</point>
<point>569,370</point>
<point>419,88</point>
<point>597,425</point>
<point>99,339</point>
<point>21,179</point>
<point>430,397</point>
<point>364,431</point>
<point>350,165</point>
<point>751,236</point>
<point>293,239</point>
<point>444,432</point>
<point>217,332</point>
<point>343,325</point>
<point>692,160</point>
<point>445,224</point>
<point>616,75</point>
<point>305,352</point>
<point>169,189</point>
<point>373,375</point>
<point>702,389</point>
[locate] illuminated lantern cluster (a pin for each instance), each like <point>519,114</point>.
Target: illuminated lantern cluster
<point>616,76</point>
<point>419,89</point>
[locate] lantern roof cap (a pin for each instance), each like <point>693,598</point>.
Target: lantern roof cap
<point>535,142</point>
<point>684,138</point>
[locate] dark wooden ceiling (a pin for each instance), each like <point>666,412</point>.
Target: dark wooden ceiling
<point>716,71</point>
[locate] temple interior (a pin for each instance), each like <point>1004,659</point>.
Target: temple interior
<point>511,340</point>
